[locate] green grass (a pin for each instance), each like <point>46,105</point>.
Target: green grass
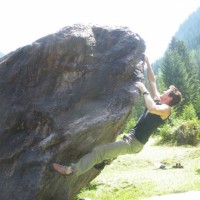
<point>133,177</point>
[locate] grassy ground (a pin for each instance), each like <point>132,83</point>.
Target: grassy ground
<point>134,177</point>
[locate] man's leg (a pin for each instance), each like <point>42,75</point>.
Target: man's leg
<point>105,152</point>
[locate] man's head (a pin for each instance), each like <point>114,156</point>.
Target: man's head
<point>172,96</point>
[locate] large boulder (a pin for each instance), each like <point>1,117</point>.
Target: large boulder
<point>59,97</point>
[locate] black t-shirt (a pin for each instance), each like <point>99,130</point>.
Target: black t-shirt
<point>146,125</point>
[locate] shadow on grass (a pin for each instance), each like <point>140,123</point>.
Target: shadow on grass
<point>92,186</point>
<point>198,171</point>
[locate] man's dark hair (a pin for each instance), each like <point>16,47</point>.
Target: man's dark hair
<point>176,95</point>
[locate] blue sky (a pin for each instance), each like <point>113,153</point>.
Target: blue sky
<point>24,21</point>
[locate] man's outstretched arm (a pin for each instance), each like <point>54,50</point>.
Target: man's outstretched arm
<point>152,80</point>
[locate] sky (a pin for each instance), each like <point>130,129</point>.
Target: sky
<point>156,21</point>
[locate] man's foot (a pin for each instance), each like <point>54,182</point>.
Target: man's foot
<point>62,169</point>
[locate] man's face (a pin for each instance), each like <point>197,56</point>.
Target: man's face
<point>165,95</point>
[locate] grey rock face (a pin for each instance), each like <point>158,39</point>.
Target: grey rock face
<point>60,97</point>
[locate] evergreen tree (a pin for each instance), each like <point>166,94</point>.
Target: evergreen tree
<point>174,73</point>
<point>160,83</point>
<point>196,57</point>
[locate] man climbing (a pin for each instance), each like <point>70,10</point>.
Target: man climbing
<point>157,110</point>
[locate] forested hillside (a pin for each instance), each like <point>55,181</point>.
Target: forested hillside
<point>189,31</point>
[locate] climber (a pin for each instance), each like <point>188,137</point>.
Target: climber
<point>158,109</point>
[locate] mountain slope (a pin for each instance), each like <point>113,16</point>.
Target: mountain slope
<point>189,31</point>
